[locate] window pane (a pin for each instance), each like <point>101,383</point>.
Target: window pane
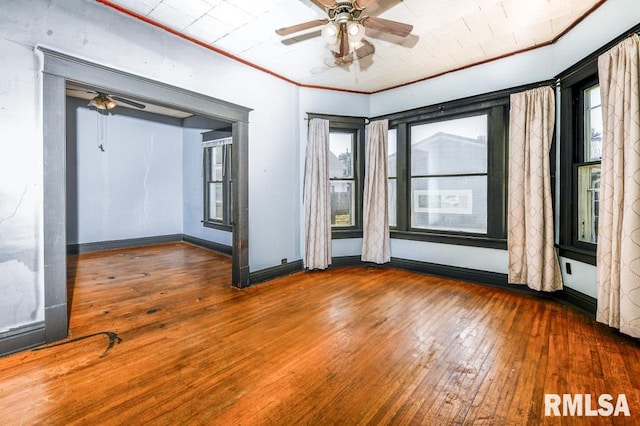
<point>216,198</point>
<point>449,147</point>
<point>392,155</point>
<point>393,196</point>
<point>593,124</point>
<point>450,204</point>
<point>588,202</point>
<point>340,155</point>
<point>216,162</point>
<point>342,203</point>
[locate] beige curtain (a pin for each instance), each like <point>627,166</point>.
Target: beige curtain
<point>376,246</point>
<point>618,252</point>
<point>317,203</point>
<point>532,257</point>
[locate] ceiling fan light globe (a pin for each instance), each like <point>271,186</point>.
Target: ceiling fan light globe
<point>334,47</point>
<point>330,33</point>
<point>98,103</point>
<point>109,104</point>
<point>356,32</point>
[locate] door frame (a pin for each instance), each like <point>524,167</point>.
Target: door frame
<point>60,69</point>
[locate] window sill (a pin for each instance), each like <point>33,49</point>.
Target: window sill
<point>460,240</point>
<point>580,255</point>
<point>340,234</point>
<point>217,225</point>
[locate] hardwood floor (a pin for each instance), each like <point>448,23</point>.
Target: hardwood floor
<point>346,346</point>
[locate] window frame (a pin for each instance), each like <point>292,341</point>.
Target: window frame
<point>356,126</point>
<point>572,137</point>
<point>395,178</point>
<point>357,206</point>
<point>496,107</point>
<point>570,79</point>
<point>411,176</point>
<point>207,157</point>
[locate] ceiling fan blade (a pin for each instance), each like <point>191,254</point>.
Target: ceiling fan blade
<point>300,37</point>
<point>300,27</point>
<point>385,25</point>
<point>128,102</point>
<point>82,90</point>
<point>366,3</point>
<point>323,3</point>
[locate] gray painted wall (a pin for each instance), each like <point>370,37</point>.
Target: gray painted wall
<point>133,188</point>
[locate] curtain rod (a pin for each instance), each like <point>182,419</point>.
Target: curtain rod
<point>364,120</point>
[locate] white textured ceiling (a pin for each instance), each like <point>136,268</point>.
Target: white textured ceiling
<point>447,35</point>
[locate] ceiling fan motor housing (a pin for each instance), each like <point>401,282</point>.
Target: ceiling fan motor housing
<point>344,11</point>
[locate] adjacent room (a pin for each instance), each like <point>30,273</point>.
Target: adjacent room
<point>319,211</point>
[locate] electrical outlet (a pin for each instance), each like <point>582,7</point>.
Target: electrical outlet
<point>283,261</point>
<point>567,267</point>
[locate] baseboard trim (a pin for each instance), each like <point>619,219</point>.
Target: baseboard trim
<point>210,245</point>
<point>274,272</point>
<point>148,241</point>
<point>445,271</point>
<point>577,300</point>
<point>118,244</point>
<point>453,272</point>
<point>344,261</point>
<point>22,338</point>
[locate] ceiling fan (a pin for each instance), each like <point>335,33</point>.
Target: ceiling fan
<point>104,101</point>
<point>345,26</point>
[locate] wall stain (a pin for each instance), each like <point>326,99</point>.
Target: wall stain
<point>113,340</point>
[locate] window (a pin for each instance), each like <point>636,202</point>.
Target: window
<point>447,172</point>
<point>217,184</point>
<point>581,150</point>
<point>449,175</point>
<point>393,176</point>
<point>589,169</point>
<point>342,179</point>
<point>346,171</point>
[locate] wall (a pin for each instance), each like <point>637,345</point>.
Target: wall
<point>21,264</point>
<point>133,188</point>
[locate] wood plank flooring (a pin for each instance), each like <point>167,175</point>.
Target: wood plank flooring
<point>346,346</point>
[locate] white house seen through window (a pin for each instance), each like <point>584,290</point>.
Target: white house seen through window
<point>449,175</point>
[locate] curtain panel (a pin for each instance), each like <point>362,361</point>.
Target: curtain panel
<point>618,252</point>
<point>532,256</point>
<point>376,246</point>
<point>317,202</point>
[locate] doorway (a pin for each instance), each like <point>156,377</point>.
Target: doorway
<point>61,70</point>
